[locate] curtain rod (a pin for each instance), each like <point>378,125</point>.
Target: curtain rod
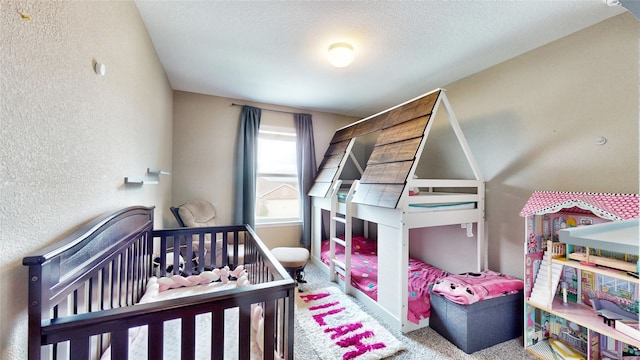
<point>280,111</point>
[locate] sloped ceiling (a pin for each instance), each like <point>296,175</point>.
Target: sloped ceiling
<point>275,51</point>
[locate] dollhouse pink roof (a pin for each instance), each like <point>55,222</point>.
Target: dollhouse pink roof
<point>607,206</point>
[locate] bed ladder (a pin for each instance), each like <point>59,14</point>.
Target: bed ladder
<point>337,267</point>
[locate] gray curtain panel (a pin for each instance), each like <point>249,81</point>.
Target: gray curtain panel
<point>246,166</point>
<point>307,169</point>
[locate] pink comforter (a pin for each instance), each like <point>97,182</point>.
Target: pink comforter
<point>364,275</point>
<point>472,287</point>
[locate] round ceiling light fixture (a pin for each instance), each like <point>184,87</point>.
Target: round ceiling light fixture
<point>340,54</point>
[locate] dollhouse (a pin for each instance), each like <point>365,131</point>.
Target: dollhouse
<point>581,275</point>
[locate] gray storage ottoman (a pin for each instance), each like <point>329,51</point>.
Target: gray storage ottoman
<point>480,325</point>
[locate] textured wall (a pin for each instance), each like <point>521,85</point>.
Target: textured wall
<point>532,122</point>
<point>205,132</point>
<point>68,136</point>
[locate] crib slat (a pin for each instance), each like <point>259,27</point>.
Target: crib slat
<point>76,298</point>
<point>225,250</point>
<point>128,280</point>
<point>79,348</point>
<point>288,326</point>
<point>114,283</point>
<point>163,259</point>
<point>93,301</point>
<point>155,345</point>
<point>176,256</point>
<point>188,337</point>
<point>119,344</point>
<point>122,290</point>
<point>106,290</point>
<point>217,335</point>
<point>244,331</point>
<point>269,327</point>
<point>235,247</point>
<point>188,260</point>
<point>135,271</point>
<point>202,257</point>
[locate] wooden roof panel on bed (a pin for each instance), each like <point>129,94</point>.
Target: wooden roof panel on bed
<point>320,189</point>
<point>338,147</point>
<point>331,163</point>
<point>394,153</point>
<point>404,150</point>
<point>420,107</point>
<point>326,175</point>
<point>343,134</point>
<point>333,157</point>
<point>401,134</point>
<point>403,131</point>
<point>383,195</point>
<point>386,173</point>
<point>370,125</point>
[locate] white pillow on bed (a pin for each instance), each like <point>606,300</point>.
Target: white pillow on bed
<point>138,335</point>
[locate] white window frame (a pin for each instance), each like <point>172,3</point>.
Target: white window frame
<point>287,134</point>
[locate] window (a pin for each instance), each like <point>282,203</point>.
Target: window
<point>277,196</point>
<point>610,286</point>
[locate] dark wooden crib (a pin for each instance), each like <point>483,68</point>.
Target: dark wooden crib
<point>82,290</point>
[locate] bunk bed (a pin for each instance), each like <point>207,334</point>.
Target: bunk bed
<point>100,294</point>
<point>389,194</point>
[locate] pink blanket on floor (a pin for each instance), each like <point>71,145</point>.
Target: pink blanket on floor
<point>472,287</point>
<point>364,275</point>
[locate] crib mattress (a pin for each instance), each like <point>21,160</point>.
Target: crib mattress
<point>171,346</point>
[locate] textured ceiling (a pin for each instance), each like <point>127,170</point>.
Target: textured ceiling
<point>275,51</point>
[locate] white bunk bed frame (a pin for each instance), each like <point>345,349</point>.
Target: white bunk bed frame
<point>393,224</point>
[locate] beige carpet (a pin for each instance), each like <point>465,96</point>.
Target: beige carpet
<point>420,344</point>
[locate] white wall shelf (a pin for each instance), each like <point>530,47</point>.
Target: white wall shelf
<point>153,178</point>
<point>157,172</point>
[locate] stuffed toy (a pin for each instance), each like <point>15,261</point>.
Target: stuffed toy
<point>471,287</point>
<point>169,265</point>
<point>169,262</point>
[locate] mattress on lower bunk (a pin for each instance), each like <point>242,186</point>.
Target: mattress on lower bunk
<point>157,290</point>
<point>364,275</point>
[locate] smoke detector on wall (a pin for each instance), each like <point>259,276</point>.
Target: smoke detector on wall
<point>100,69</point>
